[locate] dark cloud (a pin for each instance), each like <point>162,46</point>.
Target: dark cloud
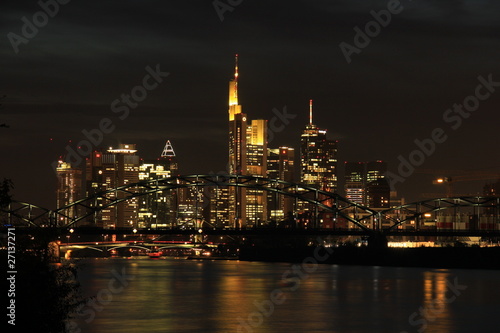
<point>395,91</point>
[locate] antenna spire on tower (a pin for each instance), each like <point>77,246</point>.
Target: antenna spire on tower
<point>168,151</point>
<point>236,67</point>
<point>236,77</point>
<point>310,112</point>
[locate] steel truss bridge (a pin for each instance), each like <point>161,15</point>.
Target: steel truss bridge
<point>363,219</point>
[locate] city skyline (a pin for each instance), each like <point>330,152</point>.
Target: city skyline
<point>248,155</point>
<point>226,165</point>
<point>393,92</point>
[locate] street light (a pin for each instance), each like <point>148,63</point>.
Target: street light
<point>70,232</point>
<point>135,233</point>
<point>447,181</point>
<point>442,180</point>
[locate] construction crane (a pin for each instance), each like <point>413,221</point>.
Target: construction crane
<point>455,176</point>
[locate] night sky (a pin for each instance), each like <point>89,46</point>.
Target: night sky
<point>395,89</point>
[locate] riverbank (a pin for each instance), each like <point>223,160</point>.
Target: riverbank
<point>436,257</point>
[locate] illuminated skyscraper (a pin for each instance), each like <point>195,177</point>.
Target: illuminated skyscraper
<point>219,207</point>
<point>256,160</point>
<point>318,157</point>
<point>365,183</point>
<point>318,166</point>
<point>105,171</point>
<point>159,209</point>
<point>375,170</point>
<point>257,148</point>
<point>378,191</point>
<point>237,129</point>
<point>237,152</point>
<point>280,165</point>
<point>127,172</point>
<point>355,179</point>
<point>69,188</point>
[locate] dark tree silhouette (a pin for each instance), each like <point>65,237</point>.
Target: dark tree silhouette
<point>5,196</point>
<point>47,293</point>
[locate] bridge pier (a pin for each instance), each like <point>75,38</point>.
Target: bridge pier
<point>54,251</point>
<point>377,240</point>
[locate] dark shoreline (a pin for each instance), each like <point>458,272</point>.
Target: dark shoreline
<point>441,257</point>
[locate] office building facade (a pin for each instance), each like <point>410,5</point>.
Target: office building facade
<point>318,157</point>
<point>280,165</point>
<point>69,189</point>
<point>365,184</point>
<point>159,209</point>
<point>108,170</point>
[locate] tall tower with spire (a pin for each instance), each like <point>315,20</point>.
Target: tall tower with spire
<point>234,107</point>
<point>310,112</point>
<point>237,128</point>
<point>237,151</point>
<point>318,157</point>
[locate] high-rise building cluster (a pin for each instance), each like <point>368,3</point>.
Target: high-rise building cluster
<point>365,184</point>
<point>105,170</point>
<point>233,206</point>
<point>249,154</point>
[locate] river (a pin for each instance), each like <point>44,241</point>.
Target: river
<point>168,295</point>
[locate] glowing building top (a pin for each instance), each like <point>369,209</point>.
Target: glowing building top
<point>168,150</point>
<point>318,157</point>
<point>310,112</point>
<point>123,149</point>
<point>234,107</point>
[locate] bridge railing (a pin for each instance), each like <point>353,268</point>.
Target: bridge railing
<point>311,206</point>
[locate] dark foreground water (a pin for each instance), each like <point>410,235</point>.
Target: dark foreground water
<point>167,295</point>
